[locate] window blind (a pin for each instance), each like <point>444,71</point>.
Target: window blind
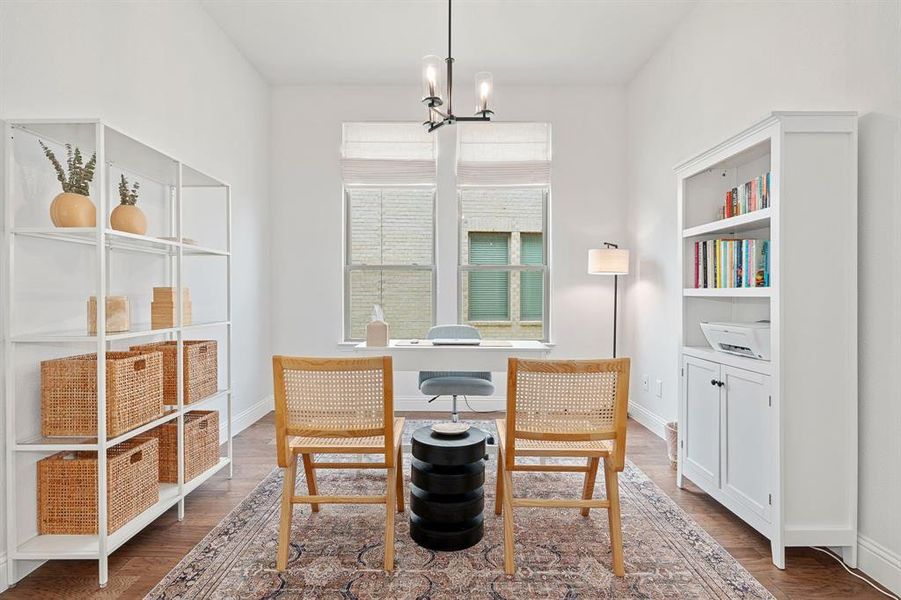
<point>490,154</point>
<point>387,154</point>
<point>531,283</point>
<point>489,291</point>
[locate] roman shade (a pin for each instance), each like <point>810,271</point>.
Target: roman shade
<point>387,154</point>
<point>497,154</point>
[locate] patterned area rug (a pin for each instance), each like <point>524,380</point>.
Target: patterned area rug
<point>338,552</point>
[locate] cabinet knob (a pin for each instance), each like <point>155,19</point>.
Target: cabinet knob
<point>713,382</point>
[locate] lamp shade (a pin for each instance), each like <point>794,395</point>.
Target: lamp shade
<point>608,261</point>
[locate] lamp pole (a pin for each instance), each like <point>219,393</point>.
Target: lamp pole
<point>615,297</point>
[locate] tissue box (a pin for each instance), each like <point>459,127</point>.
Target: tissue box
<point>376,334</point>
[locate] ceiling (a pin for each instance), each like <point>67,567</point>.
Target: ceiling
<point>382,41</point>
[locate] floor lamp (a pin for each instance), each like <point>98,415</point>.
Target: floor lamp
<point>609,260</point>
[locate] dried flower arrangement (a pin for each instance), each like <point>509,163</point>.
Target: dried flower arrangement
<point>80,173</point>
<point>126,197</point>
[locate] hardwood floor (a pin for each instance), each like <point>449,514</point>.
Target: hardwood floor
<point>137,566</point>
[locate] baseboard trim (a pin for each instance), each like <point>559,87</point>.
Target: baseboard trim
<point>880,563</point>
<point>443,404</point>
<point>652,421</point>
<point>247,417</point>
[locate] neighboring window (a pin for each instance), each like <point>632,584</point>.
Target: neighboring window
<point>503,182</point>
<point>388,171</point>
<point>531,283</point>
<point>489,291</point>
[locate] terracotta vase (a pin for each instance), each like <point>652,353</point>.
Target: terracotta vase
<point>73,210</point>
<point>128,218</point>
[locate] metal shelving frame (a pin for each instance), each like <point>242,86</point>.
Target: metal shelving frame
<point>100,546</point>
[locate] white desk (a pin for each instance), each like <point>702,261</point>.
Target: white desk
<point>421,355</point>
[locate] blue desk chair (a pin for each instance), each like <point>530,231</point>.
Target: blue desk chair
<point>455,383</point>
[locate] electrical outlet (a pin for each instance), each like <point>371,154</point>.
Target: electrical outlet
<point>660,388</point>
<point>644,382</point>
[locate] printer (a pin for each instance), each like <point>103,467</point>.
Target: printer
<point>744,339</point>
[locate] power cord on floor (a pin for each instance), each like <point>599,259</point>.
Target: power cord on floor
<point>478,412</point>
<point>864,579</point>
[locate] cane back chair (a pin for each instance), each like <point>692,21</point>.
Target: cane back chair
<point>564,408</point>
<point>336,406</point>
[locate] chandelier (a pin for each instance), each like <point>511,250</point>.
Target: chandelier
<point>434,97</point>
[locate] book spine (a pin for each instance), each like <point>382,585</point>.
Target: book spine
<point>727,271</point>
<point>703,264</point>
<point>715,254</point>
<point>753,201</point>
<point>697,264</point>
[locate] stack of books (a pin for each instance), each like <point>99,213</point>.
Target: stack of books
<point>748,197</point>
<point>732,263</point>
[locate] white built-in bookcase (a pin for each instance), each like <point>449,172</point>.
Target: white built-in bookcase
<point>776,441</point>
<point>48,274</point>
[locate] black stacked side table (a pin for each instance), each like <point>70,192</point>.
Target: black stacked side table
<point>446,498</point>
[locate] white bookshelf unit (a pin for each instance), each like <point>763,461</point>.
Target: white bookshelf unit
<point>776,441</point>
<point>48,274</point>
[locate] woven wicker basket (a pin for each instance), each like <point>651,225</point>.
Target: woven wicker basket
<point>200,366</point>
<point>134,393</point>
<point>201,445</point>
<point>67,487</point>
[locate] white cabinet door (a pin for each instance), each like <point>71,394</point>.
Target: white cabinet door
<point>748,444</point>
<point>701,437</point>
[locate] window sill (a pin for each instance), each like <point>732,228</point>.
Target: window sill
<point>348,346</point>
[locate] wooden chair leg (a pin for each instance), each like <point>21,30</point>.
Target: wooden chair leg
<point>499,486</point>
<point>399,476</point>
<point>391,492</point>
<point>311,479</point>
<point>611,478</point>
<point>590,477</point>
<point>284,527</point>
<point>509,562</point>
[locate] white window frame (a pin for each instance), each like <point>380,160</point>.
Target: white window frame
<point>545,268</point>
<point>349,267</point>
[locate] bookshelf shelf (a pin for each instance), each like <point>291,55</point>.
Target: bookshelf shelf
<point>118,240</point>
<point>759,292</point>
<point>753,433</point>
<point>44,547</point>
<point>99,261</point>
<point>758,219</point>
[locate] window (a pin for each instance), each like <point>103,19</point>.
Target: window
<point>503,192</point>
<point>503,183</point>
<point>390,228</point>
<point>531,283</point>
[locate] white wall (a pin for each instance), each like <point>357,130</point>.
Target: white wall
<point>588,206</point>
<point>726,66</point>
<point>165,73</point>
